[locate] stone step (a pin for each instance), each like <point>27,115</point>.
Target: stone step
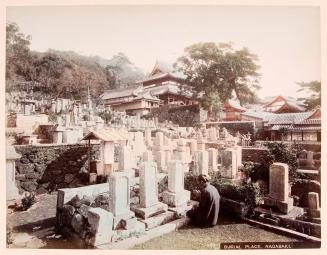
<point>158,220</point>
<point>152,233</point>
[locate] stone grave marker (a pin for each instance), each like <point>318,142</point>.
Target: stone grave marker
<point>149,203</point>
<point>279,188</point>
<point>119,201</point>
<point>176,196</point>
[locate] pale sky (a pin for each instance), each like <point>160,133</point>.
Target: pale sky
<point>286,39</point>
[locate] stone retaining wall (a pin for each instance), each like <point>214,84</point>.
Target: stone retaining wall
<point>50,167</point>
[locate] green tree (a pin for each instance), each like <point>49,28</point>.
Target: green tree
<point>213,104</point>
<point>17,52</point>
<point>283,153</point>
<point>313,90</point>
<point>218,68</point>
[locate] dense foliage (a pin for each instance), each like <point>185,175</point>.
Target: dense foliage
<point>313,90</point>
<point>62,74</point>
<point>283,153</point>
<point>251,193</point>
<point>211,67</point>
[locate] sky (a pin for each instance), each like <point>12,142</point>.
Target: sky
<point>286,39</point>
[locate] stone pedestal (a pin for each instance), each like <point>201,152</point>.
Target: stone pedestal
<point>100,222</point>
<point>279,188</point>
<point>11,189</point>
<point>119,201</point>
<point>176,196</point>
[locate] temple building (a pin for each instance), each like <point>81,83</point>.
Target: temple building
<point>232,111</point>
<point>303,126</point>
<point>281,104</point>
<point>162,86</point>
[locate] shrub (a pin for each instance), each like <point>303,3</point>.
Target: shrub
<point>247,168</point>
<point>251,194</point>
<point>281,152</point>
<point>28,201</point>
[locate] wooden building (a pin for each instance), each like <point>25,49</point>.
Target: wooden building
<point>303,126</point>
<point>281,104</point>
<point>161,87</point>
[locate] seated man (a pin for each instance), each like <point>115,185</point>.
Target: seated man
<point>206,213</point>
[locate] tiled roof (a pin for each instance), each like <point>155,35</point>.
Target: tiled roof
<point>288,118</point>
<point>279,127</point>
<point>107,135</point>
<point>258,114</point>
<point>168,88</point>
<point>165,70</point>
<point>124,92</point>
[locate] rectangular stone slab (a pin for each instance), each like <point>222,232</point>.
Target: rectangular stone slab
<point>158,220</point>
<point>145,213</point>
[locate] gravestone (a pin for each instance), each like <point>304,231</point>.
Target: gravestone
<point>119,201</point>
<point>238,150</point>
<point>176,195</point>
<point>148,138</point>
<point>213,134</point>
<point>193,144</point>
<point>125,158</point>
<point>139,145</point>
<point>149,203</point>
<point>228,164</point>
<point>159,153</point>
<point>305,160</point>
<point>201,162</point>
<point>279,188</point>
<point>147,156</point>
<point>107,149</point>
<point>212,158</point>
<point>183,154</point>
<point>313,205</point>
<point>11,189</point>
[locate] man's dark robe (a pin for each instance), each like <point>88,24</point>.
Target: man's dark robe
<point>206,214</point>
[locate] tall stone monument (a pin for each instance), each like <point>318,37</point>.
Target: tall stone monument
<point>229,164</point>
<point>279,188</point>
<point>119,201</point>
<point>176,196</point>
<point>149,203</point>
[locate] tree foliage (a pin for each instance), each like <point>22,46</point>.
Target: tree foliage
<point>313,90</point>
<point>62,73</point>
<point>17,52</point>
<point>218,68</point>
<point>283,153</point>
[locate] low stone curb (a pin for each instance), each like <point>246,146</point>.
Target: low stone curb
<point>152,233</point>
<point>281,230</point>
